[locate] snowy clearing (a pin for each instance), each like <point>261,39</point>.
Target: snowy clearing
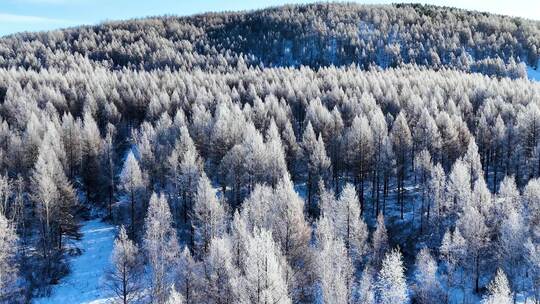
<point>84,284</point>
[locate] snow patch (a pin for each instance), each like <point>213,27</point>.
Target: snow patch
<point>85,283</point>
<point>533,74</point>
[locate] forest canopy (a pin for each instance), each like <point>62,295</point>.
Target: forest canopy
<point>325,153</point>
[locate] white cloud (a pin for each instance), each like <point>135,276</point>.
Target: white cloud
<point>16,19</point>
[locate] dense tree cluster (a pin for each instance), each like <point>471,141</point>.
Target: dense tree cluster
<point>314,35</point>
<point>239,183</point>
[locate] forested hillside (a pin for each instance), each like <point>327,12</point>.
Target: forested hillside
<point>326,153</point>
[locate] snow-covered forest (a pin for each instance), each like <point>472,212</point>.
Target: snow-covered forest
<point>325,153</point>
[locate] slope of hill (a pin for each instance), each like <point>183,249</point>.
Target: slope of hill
<point>314,35</point>
<point>324,153</point>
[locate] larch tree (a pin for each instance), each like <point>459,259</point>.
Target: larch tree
<point>185,167</point>
<point>459,187</point>
<point>318,163</point>
<point>292,233</point>
<point>108,163</point>
<point>175,297</point>
<point>160,246</point>
<point>221,275</point>
<point>422,167</point>
<point>473,227</point>
<point>498,290</point>
<point>436,192</point>
<point>402,141</point>
<point>335,146</point>
<point>366,287</point>
<point>379,241</point>
<point>125,278</point>
<point>72,140</point>
<point>276,164</point>
<point>391,283</point>
<point>91,147</point>
<point>359,147</point>
<point>8,263</point>
<point>208,216</point>
<point>188,277</point>
<point>426,134</point>
<point>349,225</point>
<point>427,287</point>
<point>510,248</point>
<point>334,267</point>
<point>380,137</point>
<point>264,271</point>
<point>55,201</point>
<point>529,128</point>
<point>132,183</point>
<point>473,162</point>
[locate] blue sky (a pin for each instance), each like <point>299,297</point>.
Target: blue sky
<point>37,15</point>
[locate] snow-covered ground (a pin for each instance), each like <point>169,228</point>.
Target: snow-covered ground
<point>85,283</point>
<point>533,74</point>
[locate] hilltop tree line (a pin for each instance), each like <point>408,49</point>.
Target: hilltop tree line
<point>315,35</point>
<point>274,185</point>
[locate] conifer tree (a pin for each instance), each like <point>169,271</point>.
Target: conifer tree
<point>125,276</point>
<point>391,284</point>
<point>161,246</point>
<point>132,183</point>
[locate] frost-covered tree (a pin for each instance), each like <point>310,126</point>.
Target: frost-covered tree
<point>402,141</point>
<point>8,263</point>
<point>108,163</point>
<point>349,225</point>
<point>473,227</point>
<point>91,150</point>
<point>427,286</point>
<point>160,246</point>
<point>318,162</point>
<point>436,193</point>
<point>334,267</point>
<point>132,183</point>
<point>276,165</point>
<point>221,275</point>
<point>423,167</point>
<point>459,186</point>
<point>264,271</point>
<point>510,248</point>
<point>188,277</point>
<point>125,278</point>
<point>366,287</point>
<point>498,290</point>
<point>391,283</point>
<point>380,139</point>
<point>379,241</point>
<point>184,165</point>
<point>174,297</point>
<point>473,163</point>
<point>55,202</point>
<point>208,216</point>
<point>359,148</point>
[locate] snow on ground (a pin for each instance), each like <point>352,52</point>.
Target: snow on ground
<point>533,74</point>
<point>84,284</point>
